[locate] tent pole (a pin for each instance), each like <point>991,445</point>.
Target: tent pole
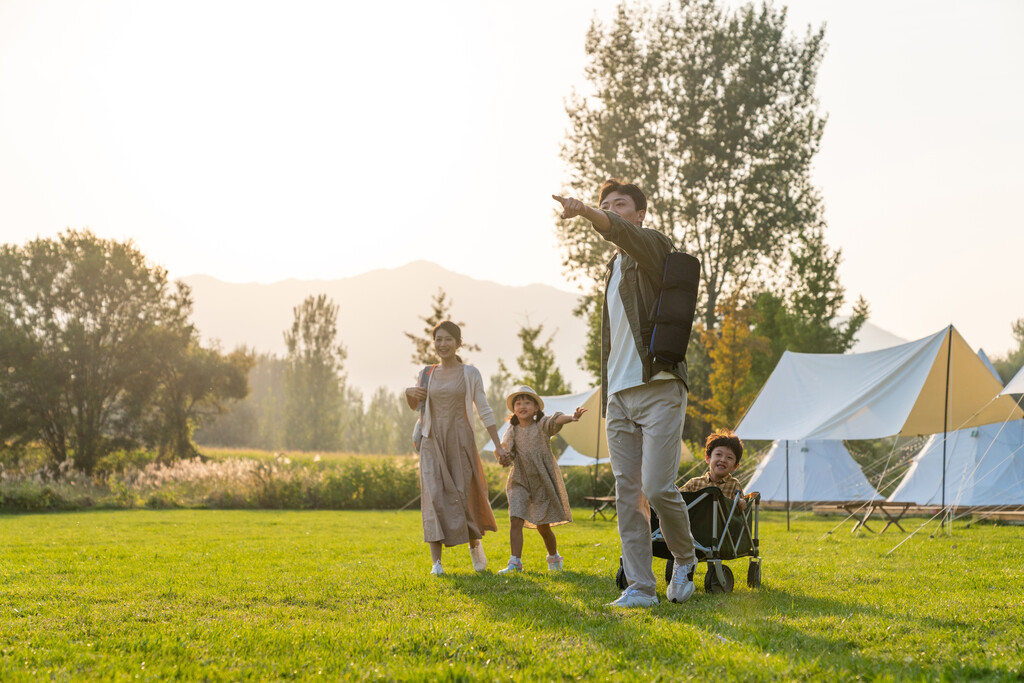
<point>787,485</point>
<point>945,421</point>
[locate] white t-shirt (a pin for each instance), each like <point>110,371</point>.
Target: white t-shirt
<point>625,369</point>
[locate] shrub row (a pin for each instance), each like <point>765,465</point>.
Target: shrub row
<point>348,483</point>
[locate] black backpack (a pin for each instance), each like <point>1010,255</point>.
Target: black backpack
<point>671,317</point>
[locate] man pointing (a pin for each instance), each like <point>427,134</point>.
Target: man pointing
<point>644,399</point>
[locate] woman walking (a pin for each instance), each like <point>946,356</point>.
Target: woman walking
<point>453,491</point>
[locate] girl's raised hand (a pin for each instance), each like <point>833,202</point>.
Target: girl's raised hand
<point>578,414</point>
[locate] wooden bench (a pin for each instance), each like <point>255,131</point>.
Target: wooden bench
<point>601,503</point>
<point>886,508</point>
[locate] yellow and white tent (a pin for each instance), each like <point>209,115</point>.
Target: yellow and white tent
<point>932,385</point>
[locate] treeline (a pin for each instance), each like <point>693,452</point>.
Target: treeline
<point>98,354</point>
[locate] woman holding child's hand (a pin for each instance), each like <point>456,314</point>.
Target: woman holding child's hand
<point>453,491</point>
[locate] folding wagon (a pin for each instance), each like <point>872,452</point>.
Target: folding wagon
<point>721,531</point>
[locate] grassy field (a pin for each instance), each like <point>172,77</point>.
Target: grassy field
<point>257,595</point>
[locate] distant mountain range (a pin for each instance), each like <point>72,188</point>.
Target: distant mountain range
<point>378,307</point>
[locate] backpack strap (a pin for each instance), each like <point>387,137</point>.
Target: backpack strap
<point>424,383</point>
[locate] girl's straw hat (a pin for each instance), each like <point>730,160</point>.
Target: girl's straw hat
<point>520,390</point>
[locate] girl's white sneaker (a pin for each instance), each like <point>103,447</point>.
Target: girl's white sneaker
<point>477,555</point>
<point>437,569</point>
<point>555,562</point>
<point>514,565</point>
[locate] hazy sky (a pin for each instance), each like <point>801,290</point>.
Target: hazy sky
<point>259,141</point>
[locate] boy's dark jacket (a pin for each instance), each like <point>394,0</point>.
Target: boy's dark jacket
<point>643,261</point>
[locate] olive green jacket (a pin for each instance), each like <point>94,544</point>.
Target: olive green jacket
<point>643,262</point>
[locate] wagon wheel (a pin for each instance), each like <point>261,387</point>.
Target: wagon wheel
<point>754,575</point>
<point>711,583</point>
<point>620,577</point>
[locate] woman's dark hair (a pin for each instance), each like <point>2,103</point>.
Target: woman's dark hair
<point>449,327</point>
<point>725,438</point>
<point>452,329</point>
<point>628,189</point>
<point>514,419</point>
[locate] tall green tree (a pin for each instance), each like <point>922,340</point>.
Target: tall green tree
<point>801,313</point>
<point>714,114</point>
<point>314,381</point>
<point>423,353</point>
<point>192,388</point>
<point>537,363</point>
<point>591,306</point>
<point>83,323</point>
<point>731,348</point>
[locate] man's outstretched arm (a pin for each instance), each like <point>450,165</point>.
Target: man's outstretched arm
<point>574,207</point>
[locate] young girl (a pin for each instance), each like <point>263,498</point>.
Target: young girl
<point>536,494</point>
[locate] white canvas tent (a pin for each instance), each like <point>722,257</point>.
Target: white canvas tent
<point>818,471</point>
<point>922,387</point>
<point>984,466</point>
<point>571,457</point>
<point>932,385</point>
<point>1015,385</point>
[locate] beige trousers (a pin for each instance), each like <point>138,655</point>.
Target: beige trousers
<point>645,427</point>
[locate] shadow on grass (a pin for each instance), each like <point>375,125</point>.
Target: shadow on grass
<point>747,625</point>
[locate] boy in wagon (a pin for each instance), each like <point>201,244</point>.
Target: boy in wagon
<point>722,452</point>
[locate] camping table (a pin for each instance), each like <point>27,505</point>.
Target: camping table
<point>601,503</point>
<point>899,509</point>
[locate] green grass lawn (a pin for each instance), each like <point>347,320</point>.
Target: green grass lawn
<point>243,595</point>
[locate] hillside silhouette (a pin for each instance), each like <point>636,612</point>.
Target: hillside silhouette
<point>378,307</point>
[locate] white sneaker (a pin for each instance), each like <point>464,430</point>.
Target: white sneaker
<point>634,598</point>
<point>514,565</point>
<point>555,562</point>
<point>681,587</point>
<point>476,553</point>
<point>437,569</point>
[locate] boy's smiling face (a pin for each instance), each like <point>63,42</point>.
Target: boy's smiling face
<point>721,462</point>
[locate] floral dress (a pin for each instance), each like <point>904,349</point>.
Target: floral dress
<point>535,489</point>
<point>452,486</point>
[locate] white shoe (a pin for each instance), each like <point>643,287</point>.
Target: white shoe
<point>555,562</point>
<point>634,598</point>
<point>681,587</point>
<point>479,559</point>
<point>437,569</point>
<point>514,565</point>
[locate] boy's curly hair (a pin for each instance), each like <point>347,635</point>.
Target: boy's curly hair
<point>727,438</point>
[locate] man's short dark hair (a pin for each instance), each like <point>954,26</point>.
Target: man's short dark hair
<point>628,189</point>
